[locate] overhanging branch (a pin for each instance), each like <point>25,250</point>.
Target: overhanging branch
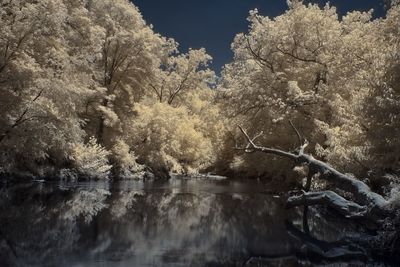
<point>374,203</point>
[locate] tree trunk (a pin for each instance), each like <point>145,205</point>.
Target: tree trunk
<point>368,203</point>
<point>346,208</point>
<point>100,129</point>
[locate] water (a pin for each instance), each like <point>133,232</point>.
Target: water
<point>181,222</point>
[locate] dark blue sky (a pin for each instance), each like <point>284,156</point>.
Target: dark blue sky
<point>214,23</point>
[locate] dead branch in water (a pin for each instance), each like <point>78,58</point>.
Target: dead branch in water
<point>366,202</point>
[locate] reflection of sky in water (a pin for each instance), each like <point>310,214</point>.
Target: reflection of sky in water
<point>133,223</point>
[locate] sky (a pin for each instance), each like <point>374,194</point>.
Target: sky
<point>213,24</point>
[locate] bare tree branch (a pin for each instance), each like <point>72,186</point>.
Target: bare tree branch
<point>21,118</point>
<point>297,133</point>
<point>252,147</point>
<point>376,204</point>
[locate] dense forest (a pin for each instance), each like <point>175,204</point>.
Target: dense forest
<point>88,90</point>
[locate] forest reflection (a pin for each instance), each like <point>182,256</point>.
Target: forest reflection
<point>172,223</point>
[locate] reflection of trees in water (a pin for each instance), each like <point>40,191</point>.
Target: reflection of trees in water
<point>32,226</point>
<point>40,222</point>
<point>322,238</point>
<point>48,225</point>
<point>191,228</point>
<point>327,225</point>
<point>84,204</point>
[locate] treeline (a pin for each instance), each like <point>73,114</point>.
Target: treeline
<point>88,89</point>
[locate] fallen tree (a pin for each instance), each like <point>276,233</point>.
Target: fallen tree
<point>328,198</point>
<point>366,204</point>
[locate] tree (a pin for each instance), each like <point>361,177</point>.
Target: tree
<point>125,53</point>
<point>179,75</point>
<point>391,3</point>
<point>170,138</point>
<point>383,103</point>
<point>308,66</point>
<point>38,98</point>
<point>72,73</point>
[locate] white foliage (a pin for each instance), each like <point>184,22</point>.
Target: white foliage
<point>91,159</point>
<point>110,117</point>
<point>323,73</point>
<point>126,161</point>
<point>170,138</point>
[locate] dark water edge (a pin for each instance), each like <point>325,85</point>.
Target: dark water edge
<point>180,222</point>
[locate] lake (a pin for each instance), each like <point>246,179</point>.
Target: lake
<point>180,222</point>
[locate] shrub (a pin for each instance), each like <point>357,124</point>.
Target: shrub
<point>125,161</point>
<point>170,138</point>
<point>91,159</point>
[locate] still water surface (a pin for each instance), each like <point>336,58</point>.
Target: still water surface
<point>181,222</point>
